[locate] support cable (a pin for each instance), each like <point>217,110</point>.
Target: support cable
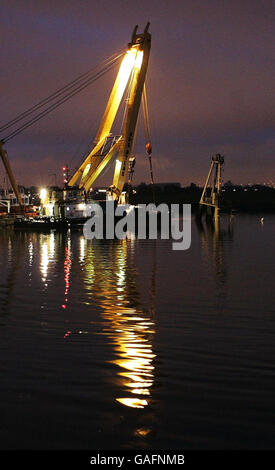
<point>148,145</point>
<point>62,100</point>
<point>58,92</point>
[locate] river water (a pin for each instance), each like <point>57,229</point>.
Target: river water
<point>127,344</point>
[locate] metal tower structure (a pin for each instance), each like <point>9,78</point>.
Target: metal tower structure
<point>211,195</point>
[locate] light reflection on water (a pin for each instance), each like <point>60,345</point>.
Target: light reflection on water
<point>46,255</point>
<point>130,341</point>
<point>130,329</point>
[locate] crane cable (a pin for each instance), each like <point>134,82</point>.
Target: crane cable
<point>148,145</point>
<point>58,92</point>
<point>75,86</point>
<point>53,106</point>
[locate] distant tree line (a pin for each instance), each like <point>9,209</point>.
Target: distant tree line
<point>247,197</point>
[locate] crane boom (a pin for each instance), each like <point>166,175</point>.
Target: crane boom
<point>131,74</point>
<point>8,169</point>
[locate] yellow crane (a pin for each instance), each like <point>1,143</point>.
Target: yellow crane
<point>130,77</point>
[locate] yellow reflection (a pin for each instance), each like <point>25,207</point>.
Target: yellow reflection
<point>130,329</point>
<point>142,432</point>
<point>133,402</point>
<point>67,271</point>
<point>110,279</point>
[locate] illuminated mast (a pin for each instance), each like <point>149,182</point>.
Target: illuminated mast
<point>132,73</point>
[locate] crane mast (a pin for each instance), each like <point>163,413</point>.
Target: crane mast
<point>131,76</point>
<point>8,169</point>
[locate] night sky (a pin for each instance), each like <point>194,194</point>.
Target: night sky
<point>210,84</point>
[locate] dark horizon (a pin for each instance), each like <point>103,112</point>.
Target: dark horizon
<point>210,81</point>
